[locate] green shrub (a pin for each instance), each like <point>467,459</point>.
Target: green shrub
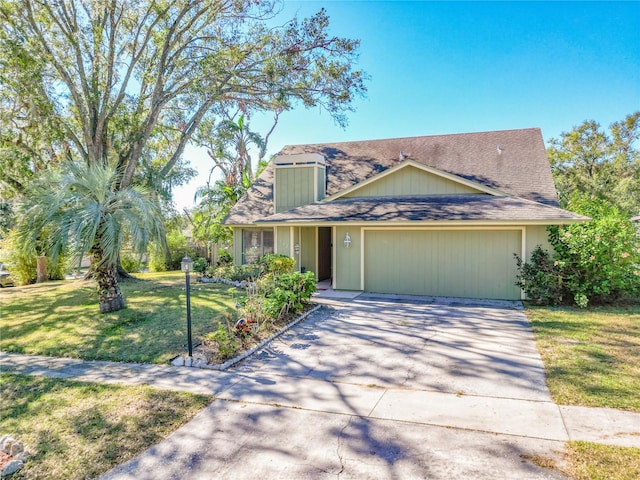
<point>178,248</point>
<point>277,264</point>
<point>224,257</point>
<point>130,263</point>
<point>24,268</point>
<point>594,262</point>
<point>540,278</point>
<point>235,272</point>
<point>288,293</point>
<point>199,264</point>
<point>225,338</point>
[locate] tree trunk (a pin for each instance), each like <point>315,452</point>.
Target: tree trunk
<point>41,275</point>
<point>109,294</point>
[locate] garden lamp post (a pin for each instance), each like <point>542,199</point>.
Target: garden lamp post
<point>186,266</point>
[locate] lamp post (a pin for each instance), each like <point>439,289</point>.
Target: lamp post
<point>186,266</point>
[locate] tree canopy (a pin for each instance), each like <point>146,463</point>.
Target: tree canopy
<point>102,81</point>
<point>590,161</point>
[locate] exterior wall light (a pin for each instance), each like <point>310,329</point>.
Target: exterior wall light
<point>347,240</point>
<point>186,265</point>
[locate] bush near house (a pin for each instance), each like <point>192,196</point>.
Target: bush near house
<point>274,294</point>
<point>595,262</point>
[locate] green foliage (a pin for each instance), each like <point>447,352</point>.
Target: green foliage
<point>237,273</point>
<point>590,161</point>
<point>540,278</point>
<point>277,264</point>
<point>130,263</point>
<point>199,265</point>
<point>24,266</point>
<point>594,262</point>
<point>224,257</point>
<point>224,337</point>
<point>178,247</point>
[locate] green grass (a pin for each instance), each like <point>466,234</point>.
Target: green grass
<point>591,357</point>
<point>593,461</point>
<point>62,319</point>
<point>76,430</point>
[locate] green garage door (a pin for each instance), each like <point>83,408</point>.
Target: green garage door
<point>464,263</point>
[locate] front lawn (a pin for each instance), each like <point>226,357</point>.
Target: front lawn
<point>62,319</point>
<point>77,430</point>
<point>591,357</point>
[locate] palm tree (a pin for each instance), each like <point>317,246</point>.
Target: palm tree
<point>83,211</point>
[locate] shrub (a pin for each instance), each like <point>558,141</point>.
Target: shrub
<point>224,337</point>
<point>540,278</point>
<point>594,262</point>
<point>178,248</point>
<point>24,267</point>
<point>199,264</point>
<point>130,263</point>
<point>224,257</point>
<point>235,272</point>
<point>277,264</point>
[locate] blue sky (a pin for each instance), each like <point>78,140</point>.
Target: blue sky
<point>450,67</point>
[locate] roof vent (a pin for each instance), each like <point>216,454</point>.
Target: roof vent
<point>499,148</point>
<point>403,155</point>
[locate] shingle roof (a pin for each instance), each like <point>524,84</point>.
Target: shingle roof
<point>430,208</point>
<point>512,161</point>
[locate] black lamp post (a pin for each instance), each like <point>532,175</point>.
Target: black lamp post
<point>186,266</point>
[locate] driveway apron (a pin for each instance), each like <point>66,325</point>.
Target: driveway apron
<point>377,387</point>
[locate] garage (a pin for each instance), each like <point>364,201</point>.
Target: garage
<point>448,263</point>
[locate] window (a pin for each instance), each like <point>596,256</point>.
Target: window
<point>255,244</point>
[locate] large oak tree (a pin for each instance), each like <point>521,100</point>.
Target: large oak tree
<point>97,80</point>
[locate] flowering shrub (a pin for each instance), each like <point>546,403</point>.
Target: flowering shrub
<point>597,261</point>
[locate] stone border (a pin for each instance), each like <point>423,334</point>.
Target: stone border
<point>251,351</point>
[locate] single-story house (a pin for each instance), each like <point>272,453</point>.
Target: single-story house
<point>435,215</point>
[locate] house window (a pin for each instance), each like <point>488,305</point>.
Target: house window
<point>255,244</point>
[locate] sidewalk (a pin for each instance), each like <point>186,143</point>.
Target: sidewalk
<point>469,412</point>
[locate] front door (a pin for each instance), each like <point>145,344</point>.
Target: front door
<point>324,253</point>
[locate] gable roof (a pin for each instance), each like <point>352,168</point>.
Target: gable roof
<point>422,167</point>
<point>511,161</point>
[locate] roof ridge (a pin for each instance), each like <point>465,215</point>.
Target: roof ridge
<point>413,137</point>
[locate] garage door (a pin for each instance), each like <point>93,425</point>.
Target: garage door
<point>467,263</point>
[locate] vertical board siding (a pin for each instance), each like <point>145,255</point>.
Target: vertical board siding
<point>237,246</point>
<point>308,249</point>
<point>471,263</point>
<point>283,245</point>
<point>294,187</point>
<point>411,181</point>
<point>347,260</point>
<point>322,182</point>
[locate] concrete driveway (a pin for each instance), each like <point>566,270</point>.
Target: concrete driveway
<point>376,387</point>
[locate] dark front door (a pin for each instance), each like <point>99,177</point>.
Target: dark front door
<point>324,253</point>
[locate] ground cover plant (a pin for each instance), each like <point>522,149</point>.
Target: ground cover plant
<point>62,319</point>
<point>591,357</point>
<point>76,430</point>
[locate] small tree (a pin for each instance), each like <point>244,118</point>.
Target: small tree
<point>82,210</point>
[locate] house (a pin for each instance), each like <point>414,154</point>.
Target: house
<point>434,215</point>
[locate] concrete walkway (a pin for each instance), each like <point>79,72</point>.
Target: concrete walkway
<point>367,388</point>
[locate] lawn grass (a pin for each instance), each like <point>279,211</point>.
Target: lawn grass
<point>594,461</point>
<point>591,357</point>
<point>62,318</point>
<point>77,430</point>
